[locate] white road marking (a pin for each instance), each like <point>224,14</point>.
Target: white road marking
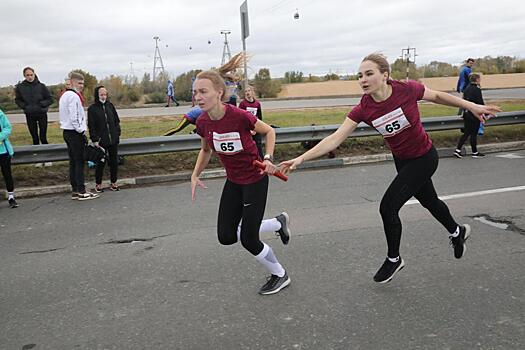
<point>474,194</point>
<point>510,156</point>
<point>491,223</point>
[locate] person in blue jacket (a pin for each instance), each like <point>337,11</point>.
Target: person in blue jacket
<point>6,152</point>
<point>464,73</point>
<point>170,94</point>
<point>187,119</point>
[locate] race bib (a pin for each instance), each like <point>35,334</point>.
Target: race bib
<point>252,110</point>
<point>392,123</point>
<point>229,143</point>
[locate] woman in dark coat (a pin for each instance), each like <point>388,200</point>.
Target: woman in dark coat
<point>34,98</point>
<point>471,93</point>
<point>104,131</point>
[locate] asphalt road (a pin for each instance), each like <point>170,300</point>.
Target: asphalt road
<point>142,268</point>
<point>500,94</point>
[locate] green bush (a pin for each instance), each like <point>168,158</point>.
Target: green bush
<point>155,97</point>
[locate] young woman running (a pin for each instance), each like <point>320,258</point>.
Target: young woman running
<point>390,106</point>
<point>225,129</point>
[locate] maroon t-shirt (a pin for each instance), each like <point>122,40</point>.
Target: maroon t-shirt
<point>252,107</point>
<point>231,139</point>
<point>397,119</point>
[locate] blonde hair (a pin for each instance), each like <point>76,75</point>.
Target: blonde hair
<point>380,60</point>
<point>228,70</point>
<point>216,80</point>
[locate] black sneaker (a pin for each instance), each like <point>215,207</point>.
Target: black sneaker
<point>388,270</point>
<point>457,154</point>
<point>284,231</point>
<point>87,196</point>
<point>275,284</point>
<point>478,155</point>
<point>458,243</point>
<point>12,203</point>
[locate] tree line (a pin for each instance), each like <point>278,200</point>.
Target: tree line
<point>129,90</point>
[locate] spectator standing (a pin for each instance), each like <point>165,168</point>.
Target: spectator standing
<point>104,131</point>
<point>6,152</point>
<point>471,123</point>
<point>464,73</point>
<point>170,94</point>
<point>73,124</point>
<point>34,98</point>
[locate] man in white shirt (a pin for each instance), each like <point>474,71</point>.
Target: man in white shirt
<point>73,124</point>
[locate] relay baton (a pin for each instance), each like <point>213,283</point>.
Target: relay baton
<point>276,174</point>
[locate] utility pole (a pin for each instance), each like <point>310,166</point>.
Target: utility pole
<point>245,32</point>
<point>131,74</point>
<point>157,58</point>
<point>226,54</point>
<point>406,55</point>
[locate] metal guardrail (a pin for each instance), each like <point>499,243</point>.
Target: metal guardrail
<point>163,144</point>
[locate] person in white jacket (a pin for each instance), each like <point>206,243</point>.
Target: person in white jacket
<point>73,124</point>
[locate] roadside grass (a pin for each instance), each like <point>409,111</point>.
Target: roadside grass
<point>28,175</point>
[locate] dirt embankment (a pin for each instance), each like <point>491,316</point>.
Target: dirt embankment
<point>345,88</point>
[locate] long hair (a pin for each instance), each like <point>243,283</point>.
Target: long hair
<point>228,70</point>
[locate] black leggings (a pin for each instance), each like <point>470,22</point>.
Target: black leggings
<point>246,202</point>
<point>35,125</point>
<point>413,179</point>
<point>473,141</point>
<point>112,159</point>
<point>5,164</point>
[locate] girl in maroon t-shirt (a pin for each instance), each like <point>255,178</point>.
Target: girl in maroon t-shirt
<point>390,107</point>
<point>225,129</point>
<point>253,106</point>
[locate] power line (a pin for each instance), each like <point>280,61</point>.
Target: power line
<point>157,58</point>
<point>226,53</point>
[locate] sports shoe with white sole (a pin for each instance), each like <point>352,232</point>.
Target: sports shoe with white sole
<point>459,242</point>
<point>87,196</point>
<point>275,284</point>
<point>284,231</point>
<point>387,271</point>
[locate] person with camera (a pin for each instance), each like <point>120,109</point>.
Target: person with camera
<point>104,131</point>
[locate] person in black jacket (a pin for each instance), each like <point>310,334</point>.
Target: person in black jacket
<point>104,131</point>
<point>471,123</point>
<point>34,98</point>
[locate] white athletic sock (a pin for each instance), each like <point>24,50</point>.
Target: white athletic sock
<point>270,225</point>
<point>268,259</point>
<point>239,232</point>
<point>456,233</point>
<point>394,260</point>
<point>10,195</point>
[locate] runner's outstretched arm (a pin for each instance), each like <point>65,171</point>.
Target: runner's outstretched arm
<point>326,145</point>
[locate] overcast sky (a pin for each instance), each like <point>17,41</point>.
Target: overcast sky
<point>104,37</point>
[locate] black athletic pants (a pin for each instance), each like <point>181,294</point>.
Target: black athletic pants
<point>5,164</point>
<point>246,202</point>
<point>112,159</point>
<point>413,179</point>
<point>76,143</point>
<point>37,124</point>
